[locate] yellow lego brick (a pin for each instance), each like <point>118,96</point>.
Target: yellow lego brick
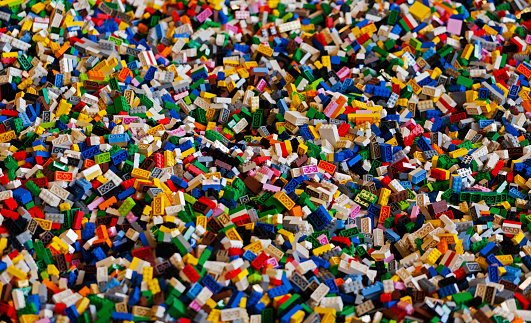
<point>299,316</point>
<point>147,273</point>
<point>520,181</point>
<point>38,7</point>
<point>189,259</point>
<point>255,247</point>
<point>407,299</point>
<point>267,51</point>
<point>154,286</point>
<point>82,305</point>
<point>240,276</point>
<point>30,318</point>
<point>187,153</point>
<point>287,235</point>
<point>3,244</point>
<point>232,234</point>
<point>211,303</point>
<point>17,259</point>
<point>419,11</point>
<point>64,207</point>
<point>52,270</point>
<point>392,141</point>
<point>482,263</point>
<point>436,223</point>
<point>140,173</point>
<point>458,153</point>
<point>16,272</point>
<point>158,206</point>
<point>324,310</point>
<point>506,260</point>
<point>284,200</point>
<point>384,196</point>
<point>302,149</point>
<point>517,238</point>
<point>44,224</point>
<point>134,263</point>
<point>320,250</point>
<point>63,246</point>
<point>433,256</point>
<point>459,247</point>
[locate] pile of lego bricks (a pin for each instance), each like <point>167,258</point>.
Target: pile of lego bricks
<point>265,161</point>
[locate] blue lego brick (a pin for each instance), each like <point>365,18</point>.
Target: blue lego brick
<point>58,80</point>
<point>118,138</point>
<point>354,160</point>
<point>212,284</point>
<point>377,288</point>
<point>347,299</point>
<point>493,273</point>
<point>457,88</point>
<point>514,193</point>
<point>282,106</point>
<point>287,317</point>
<point>386,152</point>
<point>128,192</point>
<point>423,144</point>
<point>445,271</point>
<point>491,259</point>
<point>35,300</point>
<point>483,93</point>
<point>254,298</point>
<point>84,184</point>
<point>119,156</point>
<point>526,260</point>
<point>320,262</point>
<point>72,313</point>
<point>99,254</point>
<point>241,48</point>
<point>90,152</point>
<point>419,176</point>
<point>119,316</point>
<point>26,122</point>
<point>419,221</point>
<point>488,249</point>
<point>374,210</point>
<point>277,291</point>
<point>396,29</point>
<point>110,284</point>
<point>249,255</point>
<point>332,285</point>
<point>512,271</point>
<point>194,291</point>
<point>523,242</point>
<point>22,195</point>
<point>391,235</point>
<point>285,282</point>
<point>150,74</point>
<point>456,182</point>
<point>405,184</point>
<point>323,85</point>
<point>433,113</point>
<point>447,290</point>
<point>510,129</point>
<point>133,65</point>
<point>320,218</point>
